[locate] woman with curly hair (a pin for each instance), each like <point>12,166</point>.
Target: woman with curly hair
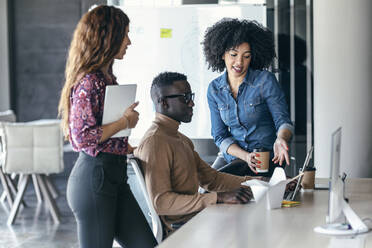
<point>247,106</point>
<point>97,189</point>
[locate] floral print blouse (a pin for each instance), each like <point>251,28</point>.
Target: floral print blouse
<point>85,119</point>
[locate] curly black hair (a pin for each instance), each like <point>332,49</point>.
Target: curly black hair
<point>229,33</point>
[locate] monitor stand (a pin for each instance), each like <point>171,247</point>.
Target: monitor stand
<point>355,225</point>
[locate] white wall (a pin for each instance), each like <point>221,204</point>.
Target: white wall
<point>4,57</point>
<point>343,84</point>
<point>180,51</point>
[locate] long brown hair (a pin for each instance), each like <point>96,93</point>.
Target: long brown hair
<point>96,40</point>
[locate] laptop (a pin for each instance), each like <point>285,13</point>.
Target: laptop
<point>292,194</point>
<point>117,99</point>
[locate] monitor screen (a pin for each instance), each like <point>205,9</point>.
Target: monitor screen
<point>336,193</point>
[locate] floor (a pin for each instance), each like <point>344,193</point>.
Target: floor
<point>34,226</point>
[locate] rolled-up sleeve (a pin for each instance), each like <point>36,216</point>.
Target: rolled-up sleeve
<point>226,143</point>
<point>276,103</point>
<point>85,130</point>
<point>220,132</point>
<point>287,126</point>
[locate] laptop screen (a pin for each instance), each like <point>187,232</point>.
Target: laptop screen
<point>305,165</point>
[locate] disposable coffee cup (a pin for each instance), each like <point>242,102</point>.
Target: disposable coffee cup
<point>308,179</point>
<point>264,158</point>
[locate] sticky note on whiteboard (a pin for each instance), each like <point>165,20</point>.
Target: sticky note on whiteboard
<point>165,33</point>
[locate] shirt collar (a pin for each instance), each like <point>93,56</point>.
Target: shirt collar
<point>223,79</point>
<point>170,124</point>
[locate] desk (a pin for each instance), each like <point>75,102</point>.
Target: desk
<point>251,225</point>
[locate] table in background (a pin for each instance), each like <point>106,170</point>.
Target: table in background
<point>251,225</point>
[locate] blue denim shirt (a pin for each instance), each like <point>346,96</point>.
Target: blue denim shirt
<point>252,120</point>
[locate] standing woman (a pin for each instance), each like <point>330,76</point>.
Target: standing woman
<point>97,189</point>
<point>247,106</point>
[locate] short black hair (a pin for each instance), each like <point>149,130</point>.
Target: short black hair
<point>162,80</point>
<point>229,33</point>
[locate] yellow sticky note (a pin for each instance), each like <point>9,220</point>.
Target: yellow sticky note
<point>165,33</point>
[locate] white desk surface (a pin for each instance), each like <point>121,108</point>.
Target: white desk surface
<point>251,225</point>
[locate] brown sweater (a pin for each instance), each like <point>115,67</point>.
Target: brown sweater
<point>174,171</point>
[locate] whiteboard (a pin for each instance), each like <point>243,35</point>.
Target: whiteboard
<point>168,39</point>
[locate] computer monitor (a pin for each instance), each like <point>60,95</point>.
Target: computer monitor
<point>338,208</point>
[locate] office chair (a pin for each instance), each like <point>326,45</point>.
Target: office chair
<point>32,149</point>
<point>157,228</point>
<point>6,181</point>
<point>219,162</point>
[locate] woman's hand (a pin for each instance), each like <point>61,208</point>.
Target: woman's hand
<point>131,116</point>
<point>280,151</point>
<point>128,120</point>
<point>249,158</point>
<point>131,149</point>
<point>252,162</point>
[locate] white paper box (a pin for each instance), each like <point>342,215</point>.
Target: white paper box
<point>273,190</point>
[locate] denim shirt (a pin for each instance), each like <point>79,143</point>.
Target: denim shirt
<point>252,120</point>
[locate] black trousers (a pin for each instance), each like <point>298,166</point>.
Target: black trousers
<point>103,205</point>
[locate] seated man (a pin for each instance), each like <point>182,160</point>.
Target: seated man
<point>173,169</point>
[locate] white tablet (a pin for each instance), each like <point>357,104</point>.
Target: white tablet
<point>117,99</point>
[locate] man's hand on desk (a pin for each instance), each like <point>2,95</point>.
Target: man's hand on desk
<point>239,196</point>
<point>265,179</point>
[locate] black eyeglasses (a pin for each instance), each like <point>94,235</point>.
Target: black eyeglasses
<point>187,97</point>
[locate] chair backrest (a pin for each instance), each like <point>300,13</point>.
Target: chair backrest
<point>157,228</point>
<point>7,116</point>
<point>32,147</point>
